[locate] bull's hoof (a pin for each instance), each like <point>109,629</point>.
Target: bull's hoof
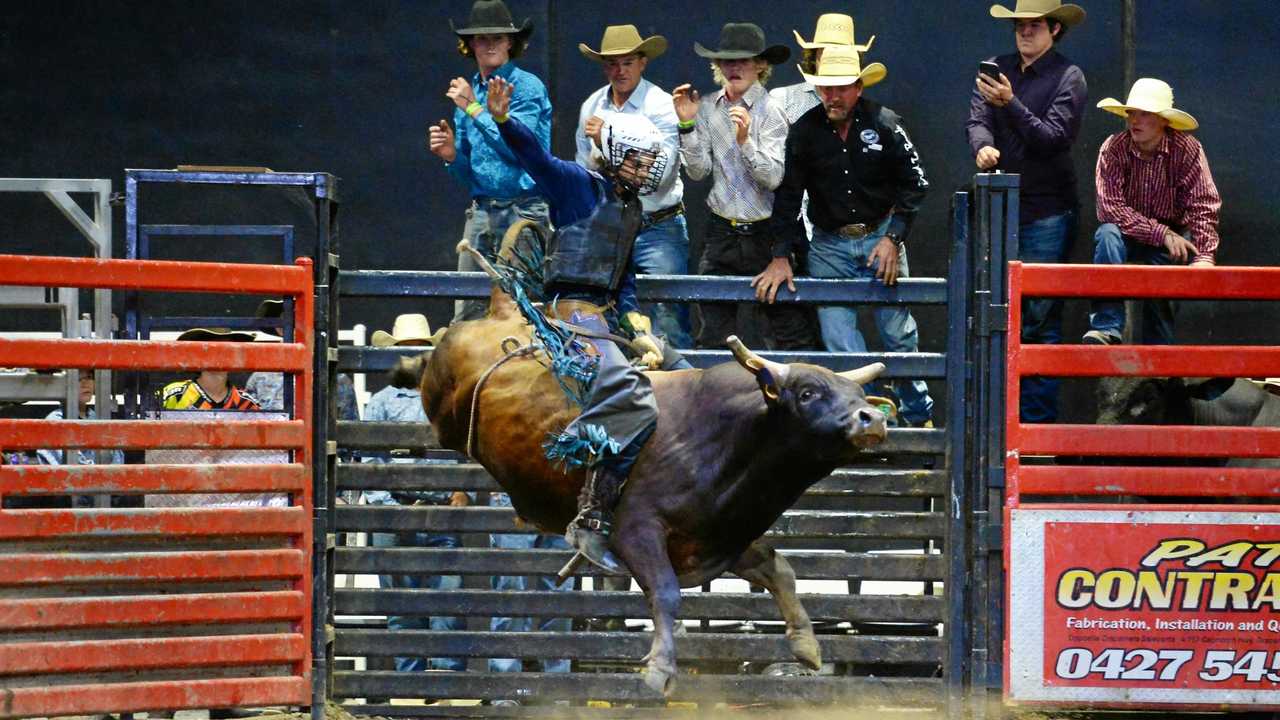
<point>804,646</point>
<point>660,677</point>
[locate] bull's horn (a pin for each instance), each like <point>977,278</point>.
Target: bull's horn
<point>465,246</point>
<point>864,374</point>
<point>754,362</point>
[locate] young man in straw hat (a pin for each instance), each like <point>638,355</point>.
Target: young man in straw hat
<point>737,135</point>
<point>662,247</point>
<point>1157,203</point>
<point>401,401</point>
<point>832,30</point>
<point>501,192</point>
<point>865,185</point>
<point>1025,121</point>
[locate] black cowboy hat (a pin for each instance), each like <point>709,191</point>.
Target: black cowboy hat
<point>739,41</point>
<point>491,17</point>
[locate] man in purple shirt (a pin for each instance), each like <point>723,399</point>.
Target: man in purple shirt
<point>1024,121</point>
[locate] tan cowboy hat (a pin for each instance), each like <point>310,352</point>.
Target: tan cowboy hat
<point>1153,96</point>
<point>409,329</point>
<point>841,66</point>
<point>622,40</point>
<point>833,30</point>
<point>1068,14</point>
<point>217,335</point>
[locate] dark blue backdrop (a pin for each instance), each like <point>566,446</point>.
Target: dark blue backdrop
<point>349,88</point>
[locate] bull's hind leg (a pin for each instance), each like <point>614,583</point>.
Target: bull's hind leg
<point>644,549</point>
<point>763,566</point>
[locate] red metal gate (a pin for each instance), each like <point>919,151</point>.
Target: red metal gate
<point>130,609</point>
<point>1117,601</point>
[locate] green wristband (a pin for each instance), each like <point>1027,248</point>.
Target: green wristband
<point>474,108</point>
<point>686,124</point>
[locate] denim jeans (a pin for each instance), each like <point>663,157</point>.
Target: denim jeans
<point>1047,240</point>
<point>746,250</point>
<point>663,249</point>
<point>432,582</point>
<point>834,256</point>
<point>1110,247</point>
<point>513,541</point>
<point>487,221</point>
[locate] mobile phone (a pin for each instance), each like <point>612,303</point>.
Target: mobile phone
<point>990,69</point>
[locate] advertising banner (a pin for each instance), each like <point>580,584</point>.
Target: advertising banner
<point>1143,607</point>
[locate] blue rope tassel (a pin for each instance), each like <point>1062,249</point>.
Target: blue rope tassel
<point>578,450</point>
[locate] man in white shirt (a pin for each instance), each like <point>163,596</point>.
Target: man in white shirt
<point>662,247</point>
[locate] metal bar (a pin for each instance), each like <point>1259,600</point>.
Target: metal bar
<point>1149,360</point>
<point>236,278</point>
<point>1148,440</point>
<point>67,568</point>
<point>631,646</point>
<point>175,522</point>
<point>956,541</point>
<point>66,185</point>
<point>1128,41</point>
<point>1157,481</point>
<point>197,177</point>
<point>796,523</point>
<point>1149,281</point>
<point>676,288</point>
<point>486,561</point>
<point>23,658</point>
<point>136,479</point>
<point>77,216</point>
<point>218,230</point>
<point>153,355</point>
<point>597,603</point>
<point>147,434</point>
<point>146,610</point>
<point>141,696</point>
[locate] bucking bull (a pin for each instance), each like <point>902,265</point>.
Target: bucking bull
<point>735,446</point>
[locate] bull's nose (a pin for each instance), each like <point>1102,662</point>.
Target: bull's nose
<point>870,425</point>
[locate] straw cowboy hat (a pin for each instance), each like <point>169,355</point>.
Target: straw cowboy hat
<point>739,41</point>
<point>1153,96</point>
<point>217,335</point>
<point>1068,14</point>
<point>622,40</point>
<point>841,66</point>
<point>409,329</point>
<point>833,30</point>
<point>491,17</point>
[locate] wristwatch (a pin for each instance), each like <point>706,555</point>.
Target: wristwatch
<point>893,236</point>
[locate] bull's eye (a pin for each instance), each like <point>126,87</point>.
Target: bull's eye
<point>807,395</point>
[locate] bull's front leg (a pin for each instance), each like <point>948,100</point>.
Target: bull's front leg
<point>644,549</point>
<point>763,566</point>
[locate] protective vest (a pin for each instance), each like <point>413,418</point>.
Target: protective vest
<point>595,251</point>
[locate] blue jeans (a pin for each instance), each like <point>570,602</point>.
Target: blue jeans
<point>834,256</point>
<point>1047,240</point>
<point>516,583</point>
<point>663,249</point>
<point>432,582</point>
<point>1110,247</point>
<point>487,221</point>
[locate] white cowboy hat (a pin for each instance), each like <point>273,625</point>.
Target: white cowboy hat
<point>841,66</point>
<point>622,40</point>
<point>409,329</point>
<point>1068,14</point>
<point>1153,96</point>
<point>833,30</point>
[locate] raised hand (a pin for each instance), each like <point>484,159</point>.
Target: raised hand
<point>592,128</point>
<point>742,120</point>
<point>685,100</point>
<point>440,141</point>
<point>499,100</point>
<point>460,92</point>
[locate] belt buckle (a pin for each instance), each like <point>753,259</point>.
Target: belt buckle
<point>854,230</point>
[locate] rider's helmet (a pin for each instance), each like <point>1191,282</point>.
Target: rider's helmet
<point>633,151</point>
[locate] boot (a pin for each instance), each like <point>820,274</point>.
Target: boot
<point>588,533</point>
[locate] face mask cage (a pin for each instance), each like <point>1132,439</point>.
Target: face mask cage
<point>650,162</point>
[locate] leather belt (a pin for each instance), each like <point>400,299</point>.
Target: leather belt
<point>744,226</point>
<point>658,216</point>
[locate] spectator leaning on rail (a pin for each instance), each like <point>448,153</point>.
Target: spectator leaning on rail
<point>210,390</point>
<point>400,401</point>
<point>1025,121</point>
<point>501,192</point>
<point>737,135</point>
<point>662,246</point>
<point>1157,203</point>
<point>865,185</point>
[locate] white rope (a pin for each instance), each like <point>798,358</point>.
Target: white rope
<point>475,396</point>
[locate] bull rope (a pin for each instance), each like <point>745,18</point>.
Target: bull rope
<point>475,395</point>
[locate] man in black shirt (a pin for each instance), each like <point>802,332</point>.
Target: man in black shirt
<point>865,185</point>
<point>1024,121</point>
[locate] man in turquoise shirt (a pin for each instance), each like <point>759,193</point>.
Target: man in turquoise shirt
<point>501,192</point>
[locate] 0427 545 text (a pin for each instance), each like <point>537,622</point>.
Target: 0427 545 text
<point>1166,665</point>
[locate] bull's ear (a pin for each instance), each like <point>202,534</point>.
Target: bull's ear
<point>864,374</point>
<point>769,374</point>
